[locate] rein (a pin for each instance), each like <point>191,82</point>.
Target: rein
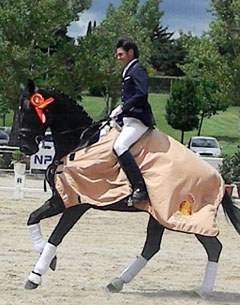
<point>91,137</point>
<point>94,125</point>
<point>86,129</point>
<point>71,130</point>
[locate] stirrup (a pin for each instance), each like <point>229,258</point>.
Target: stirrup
<point>138,196</point>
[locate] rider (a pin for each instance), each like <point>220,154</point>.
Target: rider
<point>136,114</point>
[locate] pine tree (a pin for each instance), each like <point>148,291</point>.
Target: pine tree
<point>167,52</point>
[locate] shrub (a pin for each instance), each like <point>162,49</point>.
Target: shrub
<point>230,168</point>
<point>18,156</point>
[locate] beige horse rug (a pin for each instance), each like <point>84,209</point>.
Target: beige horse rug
<point>184,191</point>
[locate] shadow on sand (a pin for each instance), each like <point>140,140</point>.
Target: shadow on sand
<point>216,296</point>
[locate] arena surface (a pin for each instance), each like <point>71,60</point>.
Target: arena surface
<point>99,248</point>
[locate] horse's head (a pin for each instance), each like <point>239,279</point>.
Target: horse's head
<point>42,108</point>
<point>33,117</point>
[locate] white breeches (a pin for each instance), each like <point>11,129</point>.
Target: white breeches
<point>131,132</point>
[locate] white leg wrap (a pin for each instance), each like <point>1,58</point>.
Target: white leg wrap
<point>129,273</point>
<point>45,259</point>
<point>35,278</point>
<point>37,238</point>
<point>209,279</point>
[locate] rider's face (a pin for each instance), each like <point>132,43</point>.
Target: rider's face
<point>124,57</point>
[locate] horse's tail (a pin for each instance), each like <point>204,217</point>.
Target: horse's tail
<point>231,211</point>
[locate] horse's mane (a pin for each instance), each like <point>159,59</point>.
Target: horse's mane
<point>68,103</point>
<point>73,125</point>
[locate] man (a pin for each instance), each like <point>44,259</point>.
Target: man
<point>135,112</point>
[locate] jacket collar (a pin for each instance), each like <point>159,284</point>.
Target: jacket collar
<point>130,64</point>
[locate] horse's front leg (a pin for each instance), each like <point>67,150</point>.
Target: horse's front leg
<point>51,207</point>
<point>68,219</point>
<point>213,248</point>
<point>151,247</point>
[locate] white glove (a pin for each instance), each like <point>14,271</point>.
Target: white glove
<point>115,112</point>
<point>104,131</point>
<point>114,124</point>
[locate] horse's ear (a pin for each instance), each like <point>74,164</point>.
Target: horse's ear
<point>31,86</point>
<point>21,88</point>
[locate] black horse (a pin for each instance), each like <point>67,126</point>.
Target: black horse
<point>40,109</point>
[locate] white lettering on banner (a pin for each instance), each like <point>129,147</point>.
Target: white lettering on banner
<point>42,159</point>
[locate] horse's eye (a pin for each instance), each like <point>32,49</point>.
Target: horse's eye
<point>25,105</point>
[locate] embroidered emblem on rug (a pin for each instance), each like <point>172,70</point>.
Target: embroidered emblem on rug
<point>185,207</point>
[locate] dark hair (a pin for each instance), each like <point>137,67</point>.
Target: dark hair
<point>128,44</point>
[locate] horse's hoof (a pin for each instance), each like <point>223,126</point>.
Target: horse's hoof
<point>116,285</point>
<point>33,281</point>
<point>53,263</point>
<point>30,285</point>
<point>202,293</point>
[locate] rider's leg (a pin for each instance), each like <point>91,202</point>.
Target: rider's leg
<point>213,248</point>
<point>131,132</point>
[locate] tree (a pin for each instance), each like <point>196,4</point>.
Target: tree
<point>203,66</point>
<point>215,56</point>
<point>4,109</point>
<point>224,34</point>
<point>167,52</point>
<point>129,19</point>
<point>209,101</point>
<point>182,107</point>
<point>27,28</point>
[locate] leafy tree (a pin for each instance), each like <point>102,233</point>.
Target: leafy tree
<point>203,66</point>
<point>224,34</point>
<point>209,101</point>
<point>27,30</point>
<point>214,58</point>
<point>4,109</point>
<point>129,19</point>
<point>182,107</point>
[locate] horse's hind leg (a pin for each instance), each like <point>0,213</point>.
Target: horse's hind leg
<point>151,247</point>
<point>51,207</point>
<point>68,219</point>
<point>213,248</point>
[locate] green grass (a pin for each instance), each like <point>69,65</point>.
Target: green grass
<point>225,126</point>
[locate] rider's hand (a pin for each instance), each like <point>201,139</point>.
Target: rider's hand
<point>116,112</point>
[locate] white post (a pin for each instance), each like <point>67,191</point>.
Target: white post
<point>19,180</point>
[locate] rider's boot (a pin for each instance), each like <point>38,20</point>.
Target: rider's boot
<point>134,176</point>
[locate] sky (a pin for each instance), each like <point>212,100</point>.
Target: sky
<point>185,15</point>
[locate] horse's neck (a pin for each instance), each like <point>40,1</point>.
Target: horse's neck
<point>66,141</point>
<point>67,129</point>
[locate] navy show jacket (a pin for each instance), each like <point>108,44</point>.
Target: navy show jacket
<point>135,94</point>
